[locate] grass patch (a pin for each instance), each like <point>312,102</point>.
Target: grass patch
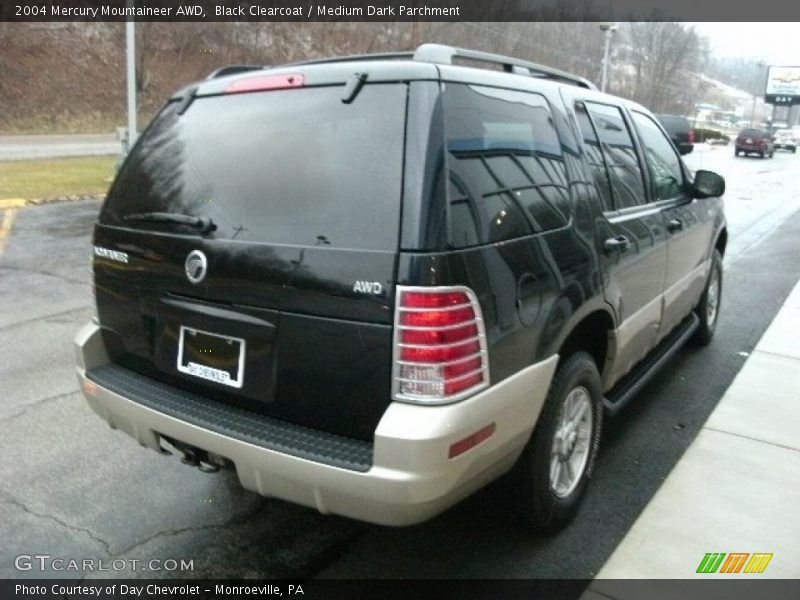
<point>54,177</point>
<point>53,124</point>
<point>61,124</point>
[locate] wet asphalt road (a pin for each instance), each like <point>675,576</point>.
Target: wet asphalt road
<point>72,488</point>
<point>24,147</point>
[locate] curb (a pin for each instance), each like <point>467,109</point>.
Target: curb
<point>21,202</point>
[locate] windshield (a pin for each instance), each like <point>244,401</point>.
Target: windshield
<point>293,167</point>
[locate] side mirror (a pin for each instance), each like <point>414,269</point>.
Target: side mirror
<point>685,149</point>
<point>708,184</point>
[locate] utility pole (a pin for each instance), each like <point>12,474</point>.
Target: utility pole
<point>130,55</point>
<point>608,30</point>
<point>414,27</point>
<point>760,66</point>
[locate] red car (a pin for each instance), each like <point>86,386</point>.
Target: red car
<point>755,140</point>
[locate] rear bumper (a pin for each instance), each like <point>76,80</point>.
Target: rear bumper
<point>752,148</point>
<point>411,478</point>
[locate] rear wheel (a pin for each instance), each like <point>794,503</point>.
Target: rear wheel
<point>554,469</point>
<point>736,152</point>
<point>708,308</point>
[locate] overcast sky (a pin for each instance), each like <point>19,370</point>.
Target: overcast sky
<point>776,43</point>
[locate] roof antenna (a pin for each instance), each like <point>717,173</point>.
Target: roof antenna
<point>187,100</point>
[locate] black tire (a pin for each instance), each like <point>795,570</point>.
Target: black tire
<point>736,152</point>
<point>761,155</point>
<point>542,507</point>
<point>708,317</point>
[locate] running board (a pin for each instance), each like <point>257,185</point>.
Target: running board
<point>627,388</point>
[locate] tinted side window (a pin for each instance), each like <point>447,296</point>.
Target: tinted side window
<point>594,155</point>
<point>624,171</point>
<point>662,161</point>
<point>505,168</point>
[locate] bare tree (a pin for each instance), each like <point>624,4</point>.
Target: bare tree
<point>661,57</point>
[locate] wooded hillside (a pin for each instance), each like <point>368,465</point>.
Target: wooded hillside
<point>62,77</point>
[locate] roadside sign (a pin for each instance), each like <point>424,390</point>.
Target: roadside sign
<point>783,86</point>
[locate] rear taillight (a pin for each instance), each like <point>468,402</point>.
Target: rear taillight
<point>691,136</point>
<point>439,345</point>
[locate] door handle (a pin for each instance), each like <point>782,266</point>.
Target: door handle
<point>675,225</point>
<point>617,244</point>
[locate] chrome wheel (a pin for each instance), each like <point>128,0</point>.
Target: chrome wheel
<point>571,442</point>
<point>556,465</point>
<point>712,297</point>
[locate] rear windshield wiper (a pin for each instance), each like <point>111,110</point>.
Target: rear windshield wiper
<point>204,224</point>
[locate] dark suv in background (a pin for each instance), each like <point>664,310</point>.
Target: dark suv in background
<point>372,285</point>
<point>755,141</point>
<point>680,131</point>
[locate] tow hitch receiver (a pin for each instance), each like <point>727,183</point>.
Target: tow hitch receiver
<point>206,461</point>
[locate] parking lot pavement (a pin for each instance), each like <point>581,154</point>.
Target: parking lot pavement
<point>71,487</point>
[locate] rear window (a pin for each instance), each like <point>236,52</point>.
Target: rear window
<point>752,132</point>
<point>295,167</point>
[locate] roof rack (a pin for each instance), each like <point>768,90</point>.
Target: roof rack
<point>233,70</point>
<point>437,54</point>
<point>352,57</point>
<point>440,54</point>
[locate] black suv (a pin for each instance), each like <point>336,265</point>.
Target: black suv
<point>374,284</point>
<point>680,132</point>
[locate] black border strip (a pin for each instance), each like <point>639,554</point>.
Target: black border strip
<point>403,10</point>
<point>402,589</point>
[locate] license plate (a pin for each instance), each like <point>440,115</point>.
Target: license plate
<point>210,356</point>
